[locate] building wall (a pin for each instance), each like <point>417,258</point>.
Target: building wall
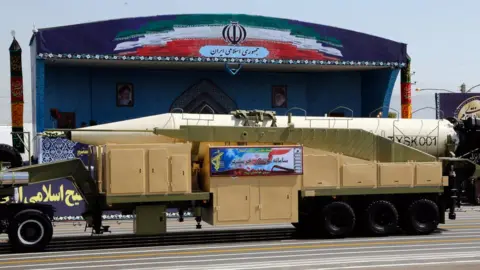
<point>91,92</point>
<point>377,87</point>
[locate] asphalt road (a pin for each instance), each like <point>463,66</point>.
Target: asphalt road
<point>457,246</point>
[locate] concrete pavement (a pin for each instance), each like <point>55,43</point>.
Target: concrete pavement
<point>458,246</point>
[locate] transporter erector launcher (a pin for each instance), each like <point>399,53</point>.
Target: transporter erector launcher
<point>252,167</point>
<point>439,138</point>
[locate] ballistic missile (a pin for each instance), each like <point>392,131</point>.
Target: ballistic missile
<point>431,136</point>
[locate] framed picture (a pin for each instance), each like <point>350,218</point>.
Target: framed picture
<point>125,95</point>
<point>279,96</point>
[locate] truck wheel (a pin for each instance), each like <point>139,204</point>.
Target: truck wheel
<point>30,230</point>
<point>10,154</point>
<point>338,219</point>
<point>421,217</point>
<point>381,218</point>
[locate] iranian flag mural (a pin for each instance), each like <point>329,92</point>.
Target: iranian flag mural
<point>218,36</point>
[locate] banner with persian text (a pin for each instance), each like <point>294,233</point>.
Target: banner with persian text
<point>254,161</point>
<point>459,105</point>
<point>206,37</point>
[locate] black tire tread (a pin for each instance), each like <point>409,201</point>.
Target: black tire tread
<point>370,227</point>
<point>408,223</point>
<point>10,154</point>
<point>16,245</point>
<point>326,230</point>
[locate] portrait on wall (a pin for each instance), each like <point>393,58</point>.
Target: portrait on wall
<point>279,96</point>
<point>124,95</point>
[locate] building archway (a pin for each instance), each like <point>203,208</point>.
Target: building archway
<point>204,97</point>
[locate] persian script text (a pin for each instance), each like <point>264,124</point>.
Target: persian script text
<point>234,52</point>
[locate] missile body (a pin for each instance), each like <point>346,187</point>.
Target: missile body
<point>427,135</point>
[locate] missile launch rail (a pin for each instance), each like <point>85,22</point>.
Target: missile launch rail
<point>338,180</point>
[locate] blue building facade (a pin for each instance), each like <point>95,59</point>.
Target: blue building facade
<point>171,61</point>
<point>92,95</point>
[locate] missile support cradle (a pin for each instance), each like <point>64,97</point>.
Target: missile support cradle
<point>325,181</point>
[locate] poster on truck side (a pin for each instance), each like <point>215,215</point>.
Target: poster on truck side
<point>256,161</point>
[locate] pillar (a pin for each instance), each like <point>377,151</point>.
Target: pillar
<point>406,90</point>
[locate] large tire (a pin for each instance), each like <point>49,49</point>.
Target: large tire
<point>421,218</point>
<point>337,219</point>
<point>10,154</point>
<point>30,231</point>
<point>381,218</point>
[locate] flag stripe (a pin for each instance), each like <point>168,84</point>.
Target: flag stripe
<point>255,37</point>
<point>191,48</point>
<point>210,21</point>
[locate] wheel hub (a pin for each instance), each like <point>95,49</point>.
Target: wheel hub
<point>384,218</point>
<point>339,220</point>
<point>30,232</point>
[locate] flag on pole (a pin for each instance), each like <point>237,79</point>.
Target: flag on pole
<point>16,94</point>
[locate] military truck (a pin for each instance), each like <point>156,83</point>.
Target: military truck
<point>326,176</point>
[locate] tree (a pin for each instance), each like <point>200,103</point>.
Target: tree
<point>392,115</point>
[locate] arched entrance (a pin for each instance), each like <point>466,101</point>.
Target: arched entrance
<point>204,97</point>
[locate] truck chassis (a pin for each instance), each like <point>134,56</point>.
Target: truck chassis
<point>29,227</point>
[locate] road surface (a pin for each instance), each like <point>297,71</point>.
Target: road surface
<point>457,246</point>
